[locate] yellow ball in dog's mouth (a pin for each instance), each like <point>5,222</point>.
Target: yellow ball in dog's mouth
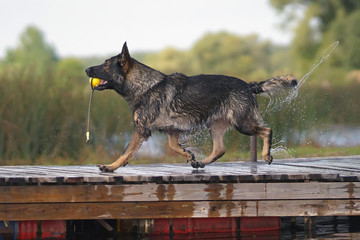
<point>95,81</point>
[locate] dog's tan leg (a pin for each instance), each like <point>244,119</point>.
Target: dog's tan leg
<point>217,131</point>
<point>266,135</point>
<point>134,144</point>
<point>175,146</point>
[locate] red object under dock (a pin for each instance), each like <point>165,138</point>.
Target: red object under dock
<point>214,225</point>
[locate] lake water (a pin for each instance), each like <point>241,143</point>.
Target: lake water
<point>331,136</point>
<point>337,136</point>
<point>341,227</point>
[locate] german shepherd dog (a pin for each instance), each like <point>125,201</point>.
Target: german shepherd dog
<point>177,103</point>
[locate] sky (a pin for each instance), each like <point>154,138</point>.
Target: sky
<point>100,27</point>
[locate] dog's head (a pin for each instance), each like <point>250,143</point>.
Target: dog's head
<point>112,72</point>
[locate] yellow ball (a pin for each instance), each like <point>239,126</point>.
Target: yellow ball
<point>95,81</point>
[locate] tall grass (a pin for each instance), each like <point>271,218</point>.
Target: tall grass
<point>44,118</point>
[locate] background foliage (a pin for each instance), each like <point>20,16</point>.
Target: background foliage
<point>44,98</point>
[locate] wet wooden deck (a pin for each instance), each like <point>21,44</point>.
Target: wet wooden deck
<point>292,187</point>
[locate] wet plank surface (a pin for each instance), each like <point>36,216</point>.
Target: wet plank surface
<point>183,209</point>
<point>290,187</point>
<point>288,170</point>
<point>179,192</point>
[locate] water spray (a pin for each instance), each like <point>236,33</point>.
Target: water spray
<point>273,100</point>
<point>325,54</point>
<point>93,83</point>
<point>277,102</point>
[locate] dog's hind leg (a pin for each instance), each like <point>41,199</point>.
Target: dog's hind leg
<point>253,126</point>
<point>134,144</point>
<point>217,130</point>
<point>175,146</point>
<point>266,136</point>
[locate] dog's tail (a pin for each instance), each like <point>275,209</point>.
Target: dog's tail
<point>274,85</point>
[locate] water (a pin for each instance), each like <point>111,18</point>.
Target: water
<point>332,136</point>
<point>278,101</point>
<point>153,147</point>
<point>284,99</point>
<point>340,227</point>
<point>199,143</point>
<point>279,151</point>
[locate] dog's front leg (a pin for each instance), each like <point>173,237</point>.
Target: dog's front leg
<point>175,146</point>
<point>134,144</point>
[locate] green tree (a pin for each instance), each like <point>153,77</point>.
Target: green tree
<point>323,22</point>
<point>225,53</point>
<point>346,30</point>
<point>171,60</point>
<point>70,72</point>
<point>33,56</point>
<point>220,53</point>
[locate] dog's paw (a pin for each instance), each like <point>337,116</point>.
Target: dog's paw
<point>268,159</point>
<point>106,168</point>
<point>196,164</point>
<point>111,167</point>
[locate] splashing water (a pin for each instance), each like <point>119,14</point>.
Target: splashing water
<point>325,54</point>
<point>192,142</point>
<point>277,102</point>
<point>279,150</point>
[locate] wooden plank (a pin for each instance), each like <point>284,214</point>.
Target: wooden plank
<point>290,170</point>
<point>179,192</point>
<point>184,209</point>
<point>195,178</point>
<point>328,165</point>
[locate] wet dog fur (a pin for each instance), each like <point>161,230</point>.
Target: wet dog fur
<point>177,103</point>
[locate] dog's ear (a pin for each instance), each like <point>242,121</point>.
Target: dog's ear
<point>125,55</point>
<point>124,58</point>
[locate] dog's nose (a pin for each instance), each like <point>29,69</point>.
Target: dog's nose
<point>88,70</point>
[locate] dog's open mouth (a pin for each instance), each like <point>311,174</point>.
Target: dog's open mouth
<point>102,82</point>
<point>97,83</point>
